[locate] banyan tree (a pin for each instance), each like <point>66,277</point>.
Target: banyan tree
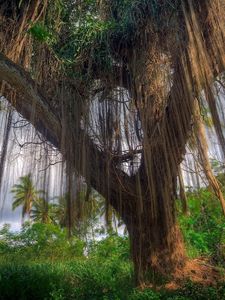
<point>114,84</point>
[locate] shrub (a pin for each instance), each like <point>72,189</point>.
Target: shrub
<point>39,242</point>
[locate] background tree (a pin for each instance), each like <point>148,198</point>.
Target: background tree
<point>25,194</point>
<point>42,211</point>
<point>88,211</point>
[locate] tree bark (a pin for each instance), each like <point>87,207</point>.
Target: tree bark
<point>156,252</point>
<point>156,242</point>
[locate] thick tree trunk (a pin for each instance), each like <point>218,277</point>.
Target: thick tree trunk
<point>156,244</point>
<point>156,253</point>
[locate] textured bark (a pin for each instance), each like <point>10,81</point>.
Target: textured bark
<point>156,242</point>
<point>155,252</point>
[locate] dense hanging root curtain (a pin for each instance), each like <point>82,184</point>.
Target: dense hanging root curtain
<point>182,193</point>
<point>119,104</point>
<point>204,158</point>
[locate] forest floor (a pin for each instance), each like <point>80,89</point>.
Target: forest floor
<point>201,271</point>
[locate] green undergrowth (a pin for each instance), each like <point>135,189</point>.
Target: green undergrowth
<point>40,263</point>
<point>204,228</point>
<point>87,280</point>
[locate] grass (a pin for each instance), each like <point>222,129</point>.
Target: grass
<point>87,280</point>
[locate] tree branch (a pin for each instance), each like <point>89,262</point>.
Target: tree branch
<point>108,180</point>
<point>31,104</point>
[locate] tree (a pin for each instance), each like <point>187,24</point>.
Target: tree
<point>120,80</point>
<point>43,212</point>
<point>86,212</point>
<point>24,195</point>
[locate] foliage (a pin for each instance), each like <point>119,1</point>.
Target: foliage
<point>147,294</point>
<point>111,247</point>
<point>204,229</point>
<point>40,32</point>
<point>95,26</point>
<point>43,211</point>
<point>40,263</point>
<point>25,194</point>
<point>83,278</point>
<point>87,207</point>
<point>88,280</point>
<point>34,281</point>
<point>37,242</point>
<point>196,291</point>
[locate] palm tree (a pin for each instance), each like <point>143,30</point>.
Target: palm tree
<point>60,210</point>
<point>42,211</point>
<point>25,194</point>
<point>85,210</point>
